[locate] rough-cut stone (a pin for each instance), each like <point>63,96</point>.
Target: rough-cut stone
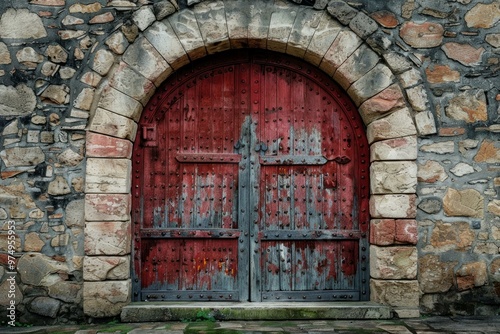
<point>448,236</point>
<point>81,8</point>
<point>45,306</point>
<point>438,74</point>
<point>17,100</point>
<point>120,103</point>
<point>103,60</point>
<point>397,124</point>
<point>84,99</point>
<point>143,57</point>
<point>417,96</point>
<point>493,40</point>
<point>385,18</point>
<point>212,24</point>
<point>393,206</point>
<point>444,147</point>
<point>162,9</point>
<point>57,54</point>
<point>107,238</point>
<point>488,152</point>
<point>103,207</point>
<point>494,208</point>
<point>483,15</point>
<point>101,268</point>
<point>399,262</point>
<point>422,35</point>
<point>393,177</point>
<point>6,295</point>
<point>462,169</point>
<point>117,43</point>
<point>431,172</point>
<point>341,11</point>
<point>162,37</point>
<point>430,205</point>
<point>102,18</point>
<point>29,57</point>
<point>184,24</point>
<point>143,17</point>
<point>59,187</point>
<point>108,176</point>
<point>467,203</point>
<point>91,78</point>
<point>109,123</point>
<point>469,106</point>
<point>105,299</point>
<point>425,123</point>
<point>70,158</point>
<point>406,232</point>
<point>4,54</point>
<point>21,24</point>
<point>363,25</point>
<point>259,17</point>
<point>395,292</point>
<point>16,199</point>
<point>471,275</point>
<point>69,292</point>
<point>463,53</point>
<point>435,275</point>
<point>372,83</point>
<point>404,148</point>
<point>98,145</point>
<point>342,47</point>
<point>33,243</point>
<point>323,37</point>
<point>75,213</point>
<point>40,270</point>
<point>131,83</point>
<point>56,94</point>
<point>356,66</point>
<point>22,156</point>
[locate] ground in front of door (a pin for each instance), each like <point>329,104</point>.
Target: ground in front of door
<point>428,325</point>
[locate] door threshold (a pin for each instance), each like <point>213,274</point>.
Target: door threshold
<point>182,311</point>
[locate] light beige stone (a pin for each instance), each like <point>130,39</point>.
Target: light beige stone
<point>399,262</point>
<point>184,24</point>
<point>162,36</point>
<point>22,156</point>
<point>143,17</point>
<point>404,148</point>
<point>393,206</point>
<point>101,268</point>
<point>17,100</point>
<point>472,274</point>
<point>112,124</point>
<point>143,58</point>
<point>469,106</point>
<point>108,176</point>
<point>103,60</point>
<point>40,270</point>
<point>342,47</point>
<point>323,37</point>
<point>104,207</point>
<point>303,29</point>
<point>393,177</point>
<point>466,203</point>
<point>33,243</point>
<point>395,292</point>
<point>397,124</point>
<point>259,15</point>
<point>117,43</point>
<point>4,54</point>
<point>56,94</point>
<point>435,276</point>
<point>120,103</point>
<point>237,18</point>
<point>483,15</point>
<point>211,20</point>
<point>84,99</point>
<point>280,26</point>
<point>107,238</point>
<point>105,299</point>
<point>70,158</point>
<point>21,24</point>
<point>444,147</point>
<point>425,123</point>
<point>494,208</point>
<point>431,172</point>
<point>131,83</point>
<point>388,100</point>
<point>370,84</point>
<point>417,96</point>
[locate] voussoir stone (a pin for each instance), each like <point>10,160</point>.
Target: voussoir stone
<point>162,36</point>
<point>184,24</point>
<point>467,203</point>
<point>103,60</point>
<point>404,148</point>
<point>131,83</point>
<point>342,47</point>
<point>377,106</point>
<point>323,37</point>
<point>341,11</point>
<point>105,299</point>
<point>357,65</point>
<point>422,35</point>
<point>109,123</point>
<point>397,124</point>
<point>15,101</point>
<point>259,18</point>
<point>397,262</point>
<point>397,177</point>
<point>108,176</point>
<point>98,145</point>
<point>143,17</point>
<point>21,24</point>
<point>302,32</point>
<point>117,43</point>
<point>211,20</point>
<point>370,84</point>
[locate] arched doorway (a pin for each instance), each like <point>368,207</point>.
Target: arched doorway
<point>250,182</point>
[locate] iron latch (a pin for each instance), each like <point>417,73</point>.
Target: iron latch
<point>149,136</point>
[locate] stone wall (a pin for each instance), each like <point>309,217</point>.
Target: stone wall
<point>68,112</point>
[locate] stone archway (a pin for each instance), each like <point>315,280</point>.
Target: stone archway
<point>215,26</point>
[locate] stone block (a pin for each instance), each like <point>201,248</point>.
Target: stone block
<point>395,292</point>
<point>184,24</point>
<point>488,152</point>
<point>21,24</point>
<point>237,18</point>
<point>398,262</point>
<point>393,206</point>
<point>382,103</point>
<point>431,172</point>
<point>469,106</point>
<point>323,37</point>
<point>59,186</point>
<point>109,123</point>
<point>162,36</point>
<point>425,123</point>
<point>393,177</point>
<point>117,43</point>
<point>397,124</point>
<point>69,292</point>
<point>105,299</point>
<point>303,29</point>
<point>280,26</point>
<point>22,156</point>
<point>211,18</point>
<point>483,15</point>
<point>75,213</point>
<point>45,306</point>
<point>470,275</point>
<point>370,84</point>
<point>356,66</point>
<point>145,59</point>
<point>107,238</point>
<point>119,103</point>
<point>163,9</point>
<point>101,268</point>
<point>448,236</point>
<point>435,276</point>
<point>104,207</point>
<point>40,270</point>
<point>14,101</point>
<point>417,96</point>
<point>341,11</point>
<point>258,24</point>
<point>98,145</point>
<point>443,147</point>
<point>422,35</point>
<point>342,47</point>
<point>108,176</point>
<point>465,203</point>
<point>131,83</point>
<point>363,25</point>
<point>465,53</point>
<point>404,148</point>
<point>382,231</point>
<point>143,17</point>
<point>406,231</point>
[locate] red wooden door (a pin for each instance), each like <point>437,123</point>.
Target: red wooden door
<point>250,183</point>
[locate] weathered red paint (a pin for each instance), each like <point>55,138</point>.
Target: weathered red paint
<point>250,182</point>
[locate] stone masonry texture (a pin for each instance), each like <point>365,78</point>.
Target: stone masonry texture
<point>75,75</point>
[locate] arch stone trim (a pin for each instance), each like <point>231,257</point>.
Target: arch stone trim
<point>215,26</point>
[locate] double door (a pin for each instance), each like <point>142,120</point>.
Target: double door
<point>250,183</point>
